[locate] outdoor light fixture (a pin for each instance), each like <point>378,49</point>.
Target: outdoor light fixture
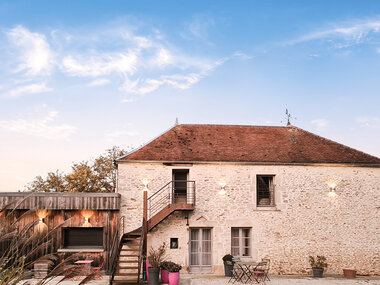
<point>332,187</point>
<point>86,220</point>
<point>145,182</point>
<point>41,220</point>
<point>222,191</point>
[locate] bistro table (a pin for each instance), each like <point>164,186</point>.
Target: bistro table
<point>84,267</point>
<point>248,269</point>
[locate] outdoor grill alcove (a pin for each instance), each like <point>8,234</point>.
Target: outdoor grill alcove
<point>78,237</point>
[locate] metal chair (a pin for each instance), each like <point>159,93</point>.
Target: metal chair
<point>267,267</point>
<point>95,271</point>
<point>237,272</point>
<point>258,275</point>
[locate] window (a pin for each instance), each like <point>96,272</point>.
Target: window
<point>83,237</point>
<point>265,190</point>
<point>241,242</point>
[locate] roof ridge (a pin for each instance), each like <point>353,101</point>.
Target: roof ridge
<point>228,125</point>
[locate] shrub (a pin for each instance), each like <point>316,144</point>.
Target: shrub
<point>227,257</point>
<point>319,263</point>
<point>156,256</point>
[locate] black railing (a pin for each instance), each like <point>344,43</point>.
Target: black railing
<point>174,192</point>
<point>141,255</point>
<point>115,251</point>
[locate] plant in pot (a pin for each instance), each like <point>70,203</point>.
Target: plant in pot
<point>228,265</point>
<point>165,271</point>
<point>173,269</point>
<point>155,258</point>
<point>318,265</point>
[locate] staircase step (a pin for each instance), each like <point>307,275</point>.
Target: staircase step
<point>128,261</point>
<point>127,267</point>
<point>128,255</point>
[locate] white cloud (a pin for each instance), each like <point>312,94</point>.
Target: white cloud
<point>343,34</point>
<point>30,89</point>
<point>139,64</point>
<point>99,82</point>
<point>320,124</point>
<point>40,126</point>
<point>100,65</point>
<point>178,81</point>
<point>35,54</point>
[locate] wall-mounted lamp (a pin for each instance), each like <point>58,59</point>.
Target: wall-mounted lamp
<point>145,182</point>
<point>86,220</point>
<point>41,220</point>
<point>222,191</point>
<point>332,187</point>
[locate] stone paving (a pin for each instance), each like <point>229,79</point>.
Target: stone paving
<point>187,279</point>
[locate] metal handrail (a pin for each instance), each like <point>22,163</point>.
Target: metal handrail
<point>114,252</point>
<point>141,257</point>
<point>166,195</point>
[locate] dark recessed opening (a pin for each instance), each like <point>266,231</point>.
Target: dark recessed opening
<point>173,243</point>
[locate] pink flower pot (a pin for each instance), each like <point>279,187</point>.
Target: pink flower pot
<point>164,276</point>
<point>173,278</point>
<point>147,273</point>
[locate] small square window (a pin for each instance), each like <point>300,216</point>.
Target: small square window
<point>173,243</point>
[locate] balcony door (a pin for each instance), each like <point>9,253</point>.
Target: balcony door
<point>180,177</point>
<point>200,250</point>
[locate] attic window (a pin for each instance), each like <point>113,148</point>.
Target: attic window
<point>265,190</point>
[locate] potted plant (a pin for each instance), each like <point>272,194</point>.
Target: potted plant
<point>174,269</point>
<point>228,265</point>
<point>318,265</point>
<point>155,258</point>
<point>164,271</point>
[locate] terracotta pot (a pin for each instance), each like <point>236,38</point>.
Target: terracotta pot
<point>173,278</point>
<point>164,276</point>
<point>349,273</point>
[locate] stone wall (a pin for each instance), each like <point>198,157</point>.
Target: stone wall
<point>305,221</point>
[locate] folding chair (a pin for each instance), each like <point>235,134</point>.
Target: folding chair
<point>258,275</point>
<point>96,270</point>
<point>267,267</point>
<point>237,272</point>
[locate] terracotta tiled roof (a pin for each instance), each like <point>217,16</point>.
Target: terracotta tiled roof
<point>225,143</point>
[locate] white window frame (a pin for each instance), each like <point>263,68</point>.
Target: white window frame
<point>241,247</point>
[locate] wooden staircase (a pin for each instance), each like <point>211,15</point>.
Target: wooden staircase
<point>128,261</point>
<point>166,212</point>
<point>162,204</point>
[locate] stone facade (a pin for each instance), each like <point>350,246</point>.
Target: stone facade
<point>305,220</point>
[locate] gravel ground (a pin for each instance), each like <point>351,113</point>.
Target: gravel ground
<point>217,280</point>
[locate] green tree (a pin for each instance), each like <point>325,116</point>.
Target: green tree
<point>98,175</point>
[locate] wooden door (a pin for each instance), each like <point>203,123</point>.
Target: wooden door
<point>200,250</point>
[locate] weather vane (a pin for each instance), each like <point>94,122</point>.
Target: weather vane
<point>288,117</point>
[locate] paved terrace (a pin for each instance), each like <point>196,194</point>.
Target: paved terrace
<point>187,279</point>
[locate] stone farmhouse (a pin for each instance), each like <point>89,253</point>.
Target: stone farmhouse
<point>254,191</point>
<point>208,190</point>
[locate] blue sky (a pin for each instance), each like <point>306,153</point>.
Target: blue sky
<point>77,77</point>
